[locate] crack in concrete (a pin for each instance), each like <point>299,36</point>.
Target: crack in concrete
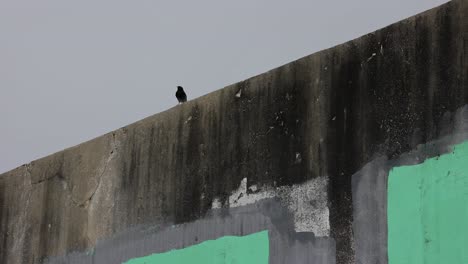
<point>56,174</point>
<point>75,202</point>
<point>28,200</point>
<point>43,180</point>
<point>113,152</point>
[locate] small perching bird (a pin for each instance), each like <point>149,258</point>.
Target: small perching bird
<point>180,94</point>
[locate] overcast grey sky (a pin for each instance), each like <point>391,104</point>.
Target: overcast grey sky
<point>73,70</point>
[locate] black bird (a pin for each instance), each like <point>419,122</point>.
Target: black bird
<point>180,94</point>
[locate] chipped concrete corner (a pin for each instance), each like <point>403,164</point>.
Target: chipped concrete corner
<point>303,164</point>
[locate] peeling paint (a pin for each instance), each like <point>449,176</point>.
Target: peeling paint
<point>307,202</point>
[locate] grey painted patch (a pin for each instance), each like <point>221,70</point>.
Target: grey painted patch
<point>370,191</point>
<point>286,246</point>
<point>370,211</point>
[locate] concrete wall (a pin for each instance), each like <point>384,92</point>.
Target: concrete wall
<point>303,151</point>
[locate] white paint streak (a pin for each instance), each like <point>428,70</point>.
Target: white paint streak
<point>216,204</point>
<point>253,188</point>
<point>371,57</point>
<point>307,202</point>
<point>240,197</point>
<point>298,158</point>
<point>239,93</point>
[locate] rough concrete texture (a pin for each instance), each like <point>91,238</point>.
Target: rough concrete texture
<point>325,115</point>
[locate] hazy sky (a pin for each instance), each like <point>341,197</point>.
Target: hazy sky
<point>73,70</point>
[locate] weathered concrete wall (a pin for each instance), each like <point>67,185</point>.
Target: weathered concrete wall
<point>286,143</point>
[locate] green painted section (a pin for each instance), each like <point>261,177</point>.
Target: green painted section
<point>251,249</point>
<point>428,211</point>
